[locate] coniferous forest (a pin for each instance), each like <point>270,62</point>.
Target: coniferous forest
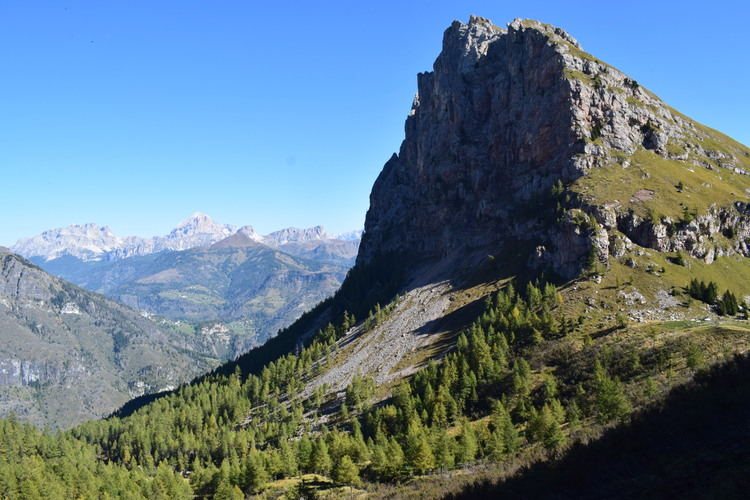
<point>504,395</point>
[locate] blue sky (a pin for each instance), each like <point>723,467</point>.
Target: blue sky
<point>137,114</point>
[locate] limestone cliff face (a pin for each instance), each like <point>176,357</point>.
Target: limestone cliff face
<point>489,129</point>
<point>503,117</point>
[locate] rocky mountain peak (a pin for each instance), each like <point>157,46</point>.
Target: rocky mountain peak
<point>465,44</point>
<point>293,234</point>
<point>85,241</point>
<point>504,116</point>
<point>241,238</point>
<point>250,233</point>
<point>200,223</point>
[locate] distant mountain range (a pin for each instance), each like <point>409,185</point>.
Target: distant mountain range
<point>215,276</point>
<point>89,242</point>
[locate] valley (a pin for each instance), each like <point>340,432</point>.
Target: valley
<point>203,276</point>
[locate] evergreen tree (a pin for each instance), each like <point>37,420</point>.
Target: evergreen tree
<point>346,472</point>
<point>418,451</point>
<point>255,473</point>
<point>387,457</point>
<point>611,402</point>
<point>444,449</point>
<point>320,460</point>
<point>695,358</point>
<point>552,435</point>
<point>226,491</point>
<point>468,446</point>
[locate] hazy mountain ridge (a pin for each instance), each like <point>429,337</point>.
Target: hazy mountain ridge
<point>89,242</point>
<point>226,283</point>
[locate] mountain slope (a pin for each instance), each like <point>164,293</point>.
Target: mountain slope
<point>230,283</point>
<point>68,354</point>
<point>497,312</point>
<point>650,457</point>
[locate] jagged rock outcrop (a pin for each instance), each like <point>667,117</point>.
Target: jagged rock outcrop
<point>504,116</point>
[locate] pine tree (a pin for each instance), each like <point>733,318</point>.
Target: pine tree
<point>320,460</point>
<point>418,450</point>
<point>611,402</point>
<point>695,358</point>
<point>521,378</point>
<point>396,457</point>
<point>226,491</point>
<point>346,472</point>
<point>552,435</point>
<point>444,449</point>
<point>255,473</point>
<point>468,446</point>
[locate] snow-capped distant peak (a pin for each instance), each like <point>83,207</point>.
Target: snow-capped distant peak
<point>199,223</point>
<point>293,234</point>
<point>250,233</point>
<point>85,241</point>
<point>349,235</point>
<point>93,242</point>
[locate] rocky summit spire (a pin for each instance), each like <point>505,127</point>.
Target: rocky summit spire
<point>505,116</point>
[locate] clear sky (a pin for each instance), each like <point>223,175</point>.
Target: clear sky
<point>275,114</point>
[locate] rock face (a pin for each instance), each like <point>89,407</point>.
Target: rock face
<point>504,117</point>
<point>67,354</point>
<point>489,129</point>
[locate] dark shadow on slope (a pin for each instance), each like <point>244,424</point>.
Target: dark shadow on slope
<point>452,323</point>
<point>696,445</point>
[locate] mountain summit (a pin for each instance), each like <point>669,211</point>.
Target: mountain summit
<point>512,122</point>
<point>202,226</point>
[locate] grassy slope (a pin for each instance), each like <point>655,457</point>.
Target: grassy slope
<point>647,170</point>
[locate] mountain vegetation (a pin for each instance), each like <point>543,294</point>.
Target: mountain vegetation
<point>522,320</point>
